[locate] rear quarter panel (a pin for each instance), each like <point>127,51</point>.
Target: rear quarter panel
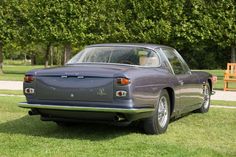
<point>203,77</point>
<point>147,83</point>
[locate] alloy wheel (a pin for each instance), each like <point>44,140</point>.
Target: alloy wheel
<point>162,111</point>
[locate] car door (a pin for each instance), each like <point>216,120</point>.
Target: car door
<point>187,88</point>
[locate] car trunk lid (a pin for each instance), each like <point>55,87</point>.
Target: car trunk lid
<point>76,83</point>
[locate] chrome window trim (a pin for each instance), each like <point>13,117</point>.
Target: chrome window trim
<point>167,61</point>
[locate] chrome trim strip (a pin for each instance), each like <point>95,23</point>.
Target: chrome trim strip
<point>80,108</point>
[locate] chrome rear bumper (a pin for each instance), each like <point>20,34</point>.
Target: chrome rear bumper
<point>83,108</point>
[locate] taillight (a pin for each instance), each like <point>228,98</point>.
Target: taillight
<point>121,93</point>
<point>123,81</point>
<point>29,78</point>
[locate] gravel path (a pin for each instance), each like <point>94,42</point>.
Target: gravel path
<point>11,85</point>
<point>219,95</point>
<point>224,95</point>
<point>10,95</point>
<point>221,106</point>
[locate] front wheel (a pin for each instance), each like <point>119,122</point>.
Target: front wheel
<point>159,121</point>
<point>206,99</point>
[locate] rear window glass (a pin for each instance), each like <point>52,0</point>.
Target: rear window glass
<point>120,55</point>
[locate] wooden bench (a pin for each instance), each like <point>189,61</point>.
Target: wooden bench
<point>230,76</point>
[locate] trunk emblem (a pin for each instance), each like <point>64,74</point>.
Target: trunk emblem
<point>101,92</point>
<point>80,77</point>
<point>73,74</point>
<point>65,76</point>
<point>72,95</point>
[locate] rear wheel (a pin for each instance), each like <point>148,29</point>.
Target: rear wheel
<point>158,123</point>
<point>206,99</point>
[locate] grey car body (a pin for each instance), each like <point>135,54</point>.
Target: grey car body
<point>88,91</point>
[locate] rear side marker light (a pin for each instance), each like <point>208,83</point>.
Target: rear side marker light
<point>123,81</point>
<point>29,78</point>
<point>121,93</point>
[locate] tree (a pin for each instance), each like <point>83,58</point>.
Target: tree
<point>1,57</point>
<point>203,31</point>
<point>7,25</point>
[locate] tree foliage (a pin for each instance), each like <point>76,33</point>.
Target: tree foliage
<point>203,31</point>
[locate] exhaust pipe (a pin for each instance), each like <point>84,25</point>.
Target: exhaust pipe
<point>213,92</point>
<point>119,118</point>
<point>33,112</point>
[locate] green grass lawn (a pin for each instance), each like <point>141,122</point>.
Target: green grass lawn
<point>16,72</point>
<point>16,62</point>
<point>207,135</point>
<point>12,92</point>
<point>223,103</point>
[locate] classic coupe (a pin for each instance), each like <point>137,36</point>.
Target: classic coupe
<point>120,84</point>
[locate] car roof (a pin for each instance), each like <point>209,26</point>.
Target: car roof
<point>145,45</point>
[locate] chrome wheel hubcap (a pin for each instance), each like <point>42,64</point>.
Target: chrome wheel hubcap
<point>162,111</point>
<point>206,101</point>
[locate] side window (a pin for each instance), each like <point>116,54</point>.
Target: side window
<point>148,58</point>
<point>174,60</point>
<point>183,62</point>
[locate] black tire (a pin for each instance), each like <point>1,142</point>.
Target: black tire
<point>153,125</point>
<point>206,100</point>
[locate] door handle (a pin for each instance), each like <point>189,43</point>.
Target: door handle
<point>181,82</point>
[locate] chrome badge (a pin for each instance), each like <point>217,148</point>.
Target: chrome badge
<point>72,95</point>
<point>101,92</point>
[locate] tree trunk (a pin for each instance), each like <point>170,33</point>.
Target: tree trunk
<point>46,57</point>
<point>33,59</point>
<point>1,57</point>
<point>58,56</point>
<point>233,54</point>
<point>25,59</point>
<point>51,55</point>
<point>67,53</point>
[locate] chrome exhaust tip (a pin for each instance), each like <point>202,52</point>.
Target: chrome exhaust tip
<point>213,92</point>
<point>33,112</point>
<point>119,117</point>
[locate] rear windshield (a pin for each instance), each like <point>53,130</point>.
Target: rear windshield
<point>119,55</point>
